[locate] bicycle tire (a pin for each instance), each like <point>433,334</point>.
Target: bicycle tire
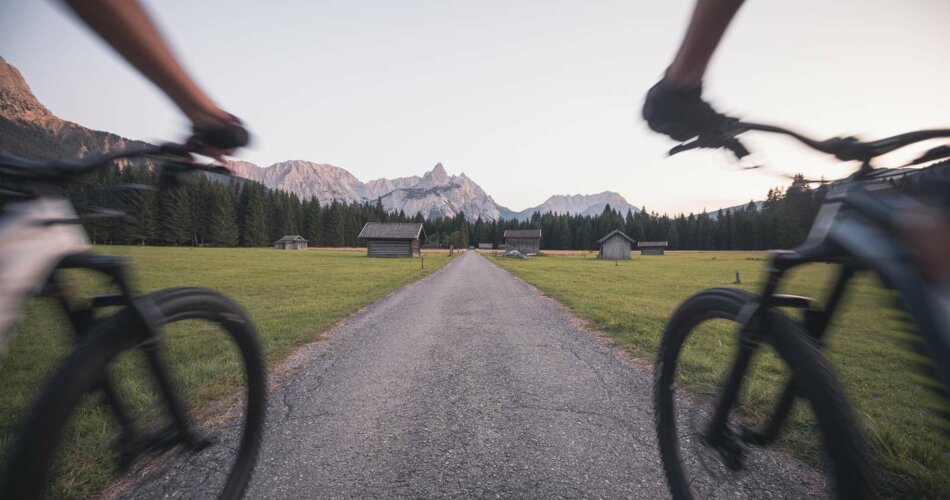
<point>29,464</point>
<point>840,435</point>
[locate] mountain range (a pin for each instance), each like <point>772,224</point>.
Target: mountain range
<point>28,128</point>
<point>435,193</point>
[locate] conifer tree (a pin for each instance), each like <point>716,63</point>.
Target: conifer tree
<point>313,222</point>
<point>174,210</point>
<point>139,207</point>
<point>673,238</point>
<point>565,238</point>
<point>253,216</point>
<point>336,223</point>
<point>223,230</point>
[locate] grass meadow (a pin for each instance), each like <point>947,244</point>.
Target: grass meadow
<point>292,297</point>
<point>630,301</point>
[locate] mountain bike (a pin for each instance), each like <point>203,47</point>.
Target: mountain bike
<point>708,445</point>
<point>127,349</point>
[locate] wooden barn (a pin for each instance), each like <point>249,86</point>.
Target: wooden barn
<point>615,246</point>
<point>485,246</point>
<point>652,247</point>
<point>392,239</point>
<point>291,242</point>
<point>526,241</point>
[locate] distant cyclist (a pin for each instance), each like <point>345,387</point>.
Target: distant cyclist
<point>675,107</point>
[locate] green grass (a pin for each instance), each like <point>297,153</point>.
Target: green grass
<point>292,297</point>
<point>632,300</point>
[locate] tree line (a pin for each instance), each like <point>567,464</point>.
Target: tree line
<point>220,211</point>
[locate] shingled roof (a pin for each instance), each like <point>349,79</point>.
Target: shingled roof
<point>652,244</point>
<point>522,233</point>
<point>616,231</point>
<point>391,231</point>
<point>289,238</point>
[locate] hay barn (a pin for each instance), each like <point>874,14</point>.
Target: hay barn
<point>526,241</point>
<point>392,239</point>
<point>615,246</point>
<point>291,242</point>
<point>652,247</point>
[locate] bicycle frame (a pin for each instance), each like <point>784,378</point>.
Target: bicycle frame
<point>130,443</point>
<point>853,229</point>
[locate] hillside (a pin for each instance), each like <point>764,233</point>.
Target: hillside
<point>28,128</point>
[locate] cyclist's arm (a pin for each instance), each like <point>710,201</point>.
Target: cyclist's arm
<point>706,27</point>
<point>675,105</point>
<point>126,26</point>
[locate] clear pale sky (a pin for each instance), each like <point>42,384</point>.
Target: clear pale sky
<point>528,98</point>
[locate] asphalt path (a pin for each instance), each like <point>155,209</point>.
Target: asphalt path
<point>468,383</point>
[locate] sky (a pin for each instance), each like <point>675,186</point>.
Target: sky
<point>528,98</point>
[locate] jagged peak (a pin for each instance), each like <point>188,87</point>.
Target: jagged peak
<point>18,102</point>
<point>436,177</point>
<point>11,79</point>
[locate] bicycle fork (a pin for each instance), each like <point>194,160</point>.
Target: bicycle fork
<point>752,321</point>
<point>182,430</point>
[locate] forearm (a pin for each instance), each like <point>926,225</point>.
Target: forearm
<point>706,27</point>
<point>126,26</point>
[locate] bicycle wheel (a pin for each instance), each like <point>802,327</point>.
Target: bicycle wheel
<point>58,428</point>
<point>696,350</point>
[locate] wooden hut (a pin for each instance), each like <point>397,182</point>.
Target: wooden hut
<point>485,246</point>
<point>652,247</point>
<point>526,241</point>
<point>392,239</point>
<point>291,242</point>
<point>615,246</point>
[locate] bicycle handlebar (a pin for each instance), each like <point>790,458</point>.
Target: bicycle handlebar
<point>174,156</point>
<point>843,148</point>
<point>850,148</point>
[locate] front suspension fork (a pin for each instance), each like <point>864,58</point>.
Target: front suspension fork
<point>817,322</point>
<point>751,322</point>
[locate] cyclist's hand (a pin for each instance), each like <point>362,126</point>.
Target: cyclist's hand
<point>218,136</point>
<point>680,114</point>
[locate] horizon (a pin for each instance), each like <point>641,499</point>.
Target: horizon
<point>517,210</point>
<point>533,100</point>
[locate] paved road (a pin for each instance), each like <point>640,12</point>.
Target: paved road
<point>465,384</point>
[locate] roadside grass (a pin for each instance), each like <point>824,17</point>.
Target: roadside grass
<point>292,297</point>
<point>631,301</point>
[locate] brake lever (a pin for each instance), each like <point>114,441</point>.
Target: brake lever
<point>732,144</point>
<point>686,146</point>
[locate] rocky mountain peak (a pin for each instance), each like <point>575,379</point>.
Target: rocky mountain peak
<point>28,128</point>
<point>17,101</point>
<point>582,204</point>
<point>436,177</point>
